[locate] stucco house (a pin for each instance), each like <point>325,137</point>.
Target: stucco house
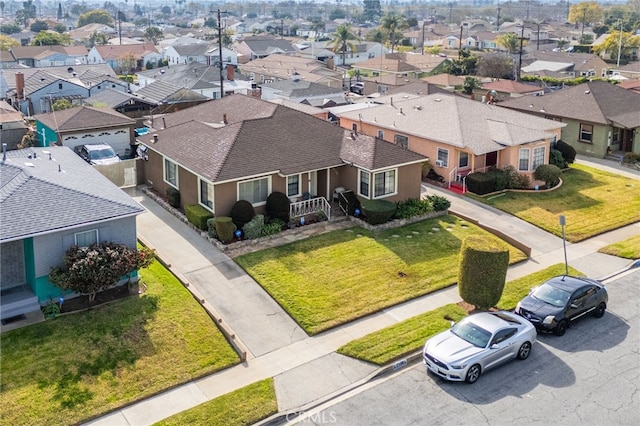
<point>256,47</point>
<point>76,205</point>
<point>458,135</point>
<point>126,57</point>
<point>599,116</point>
<point>297,90</point>
<point>83,125</point>
<point>242,148</point>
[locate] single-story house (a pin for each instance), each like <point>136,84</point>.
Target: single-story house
<point>126,57</point>
<point>52,199</point>
<point>242,148</point>
<point>12,126</point>
<point>600,117</point>
<point>458,135</point>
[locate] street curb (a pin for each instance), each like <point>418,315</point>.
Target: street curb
<point>634,264</point>
<point>289,415</point>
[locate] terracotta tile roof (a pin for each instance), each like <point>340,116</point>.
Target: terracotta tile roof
<point>594,102</point>
<point>83,117</point>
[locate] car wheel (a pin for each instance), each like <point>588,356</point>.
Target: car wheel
<point>561,328</point>
<point>524,351</point>
<point>473,374</point>
<point>599,312</point>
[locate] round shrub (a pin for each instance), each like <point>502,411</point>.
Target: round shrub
<point>241,213</point>
<point>438,202</point>
<point>549,173</point>
<point>568,152</point>
<point>482,270</point>
<point>277,206</point>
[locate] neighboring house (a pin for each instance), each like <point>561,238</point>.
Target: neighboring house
<point>242,148</point>
<point>85,32</point>
<point>257,47</point>
<point>599,116</point>
<point>299,91</point>
<point>459,135</point>
<point>12,126</point>
<point>485,40</point>
<point>36,93</point>
<point>229,57</point>
<point>629,71</point>
<point>7,60</point>
<point>323,50</point>
<point>282,67</point>
<point>631,85</point>
<point>122,102</point>
<point>564,64</point>
<point>445,81</point>
<point>401,64</point>
<point>82,125</point>
<point>320,113</point>
<point>76,205</point>
<point>126,58</point>
<point>186,53</point>
<point>49,56</point>
<point>505,89</point>
<point>169,96</point>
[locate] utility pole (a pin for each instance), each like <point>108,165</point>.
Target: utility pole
<point>422,47</point>
<point>460,47</point>
<point>538,38</point>
<point>450,9</point>
<point>619,46</point>
<point>520,54</point>
<point>498,20</point>
<point>220,51</point>
<point>119,28</point>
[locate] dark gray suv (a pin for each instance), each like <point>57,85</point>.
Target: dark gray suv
<point>562,299</point>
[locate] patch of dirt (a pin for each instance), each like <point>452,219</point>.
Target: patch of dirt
<point>80,303</point>
<point>472,309</point>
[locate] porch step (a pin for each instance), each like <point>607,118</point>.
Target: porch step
<point>20,300</point>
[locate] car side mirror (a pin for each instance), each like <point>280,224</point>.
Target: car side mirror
<point>494,346</point>
<point>574,306</point>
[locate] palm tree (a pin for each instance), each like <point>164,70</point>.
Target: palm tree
<point>343,40</point>
<point>393,24</point>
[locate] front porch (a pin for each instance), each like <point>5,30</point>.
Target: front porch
<point>17,302</point>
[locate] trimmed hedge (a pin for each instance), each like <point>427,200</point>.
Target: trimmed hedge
<point>225,229</point>
<point>482,270</point>
<point>173,197</point>
<point>197,215</point>
<point>378,211</point>
<point>480,183</point>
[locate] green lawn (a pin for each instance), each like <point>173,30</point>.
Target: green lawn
<point>76,366</point>
<point>408,336</point>
<point>244,406</point>
<point>628,249</point>
<point>593,202</point>
<point>334,278</point>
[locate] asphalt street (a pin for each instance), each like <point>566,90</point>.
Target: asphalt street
<point>590,376</point>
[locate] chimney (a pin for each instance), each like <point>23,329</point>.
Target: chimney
<point>295,76</point>
<point>231,73</point>
<point>19,85</point>
<point>224,118</point>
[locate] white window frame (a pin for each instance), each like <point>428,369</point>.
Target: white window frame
<point>463,155</point>
<point>393,191</point>
<point>538,157</point>
<point>210,195</point>
<point>258,203</point>
<point>381,134</point>
<point>84,234</point>
<point>165,163</point>
<point>298,185</point>
<point>443,155</point>
<point>524,154</point>
<point>585,132</point>
<point>362,173</point>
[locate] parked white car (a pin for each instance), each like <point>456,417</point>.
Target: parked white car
<point>97,153</point>
<point>478,343</point>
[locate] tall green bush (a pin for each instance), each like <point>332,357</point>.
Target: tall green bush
<point>277,206</point>
<point>173,197</point>
<point>482,270</point>
<point>568,152</point>
<point>225,229</point>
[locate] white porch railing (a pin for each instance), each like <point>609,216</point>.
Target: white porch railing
<point>313,205</point>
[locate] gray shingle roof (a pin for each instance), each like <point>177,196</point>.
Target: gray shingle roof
<point>457,121</point>
<point>266,45</point>
<point>163,91</point>
<point>83,117</point>
<point>594,101</point>
<point>39,196</point>
<point>113,98</point>
<point>301,88</point>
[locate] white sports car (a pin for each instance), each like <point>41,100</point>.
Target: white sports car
<point>477,343</point>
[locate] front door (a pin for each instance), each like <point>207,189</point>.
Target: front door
<point>491,159</point>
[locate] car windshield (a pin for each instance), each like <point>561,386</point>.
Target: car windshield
<point>552,295</point>
<point>100,154</point>
<point>472,333</point>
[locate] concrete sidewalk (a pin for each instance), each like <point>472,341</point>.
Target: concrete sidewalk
<point>306,368</point>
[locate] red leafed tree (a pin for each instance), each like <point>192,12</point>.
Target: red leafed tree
<point>89,270</point>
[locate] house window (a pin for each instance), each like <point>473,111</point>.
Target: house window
<point>616,135</point>
<point>293,186</point>
<point>554,140</point>
<point>384,183</point>
<point>206,194</point>
<point>86,238</point>
<point>464,160</point>
<point>363,187</point>
<point>402,141</point>
<point>59,86</point>
<point>381,134</point>
<point>171,173</point>
<point>254,191</point>
<point>443,157</point>
<point>538,157</point>
<point>523,160</point>
<point>586,133</point>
